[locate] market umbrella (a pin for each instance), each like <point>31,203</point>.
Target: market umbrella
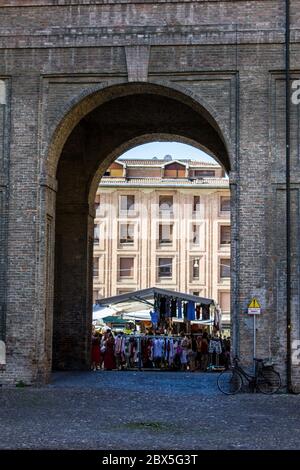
<point>102,312</point>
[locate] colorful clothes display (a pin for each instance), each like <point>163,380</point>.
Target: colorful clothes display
<point>191,311</point>
<point>167,307</point>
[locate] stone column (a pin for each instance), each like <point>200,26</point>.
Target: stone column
<point>253,197</point>
<point>23,314</point>
<point>73,287</point>
<point>4,152</point>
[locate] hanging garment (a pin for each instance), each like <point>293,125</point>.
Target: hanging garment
<point>177,354</point>
<point>168,308</point>
<point>154,317</point>
<point>205,312</point>
<point>191,311</point>
<point>171,351</point>
<point>156,303</point>
<point>185,310</point>
<point>162,345</point>
<point>162,307</point>
<point>158,348</point>
<point>147,357</point>
<point>118,344</point>
<point>173,307</point>
<point>215,346</point>
<point>179,306</point>
<point>185,345</point>
<point>184,356</point>
<point>123,348</point>
<point>217,318</point>
<point>167,351</point>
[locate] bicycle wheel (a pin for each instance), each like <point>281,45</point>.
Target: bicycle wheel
<point>268,381</point>
<point>230,382</point>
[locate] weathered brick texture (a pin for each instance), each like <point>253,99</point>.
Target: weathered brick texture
<point>83,81</point>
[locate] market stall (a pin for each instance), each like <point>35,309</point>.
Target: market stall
<point>170,325</point>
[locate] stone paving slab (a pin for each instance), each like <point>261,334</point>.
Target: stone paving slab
<point>139,410</point>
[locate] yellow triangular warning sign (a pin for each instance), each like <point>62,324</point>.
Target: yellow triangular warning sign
<point>254,303</point>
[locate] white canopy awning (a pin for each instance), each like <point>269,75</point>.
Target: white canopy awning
<point>141,315</point>
<point>102,312</point>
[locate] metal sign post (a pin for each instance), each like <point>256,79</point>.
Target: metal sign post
<point>254,309</point>
<point>254,335</point>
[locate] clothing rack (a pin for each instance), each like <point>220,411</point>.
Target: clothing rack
<point>139,339</point>
<point>216,366</point>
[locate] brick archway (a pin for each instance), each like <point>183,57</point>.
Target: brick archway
<point>66,64</point>
<point>127,115</point>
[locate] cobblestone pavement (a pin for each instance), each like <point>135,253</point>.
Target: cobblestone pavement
<point>140,410</point>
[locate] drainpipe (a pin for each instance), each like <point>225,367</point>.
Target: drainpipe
<point>288,198</point>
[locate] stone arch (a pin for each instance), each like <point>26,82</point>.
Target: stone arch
<point>76,109</point>
<point>92,134</point>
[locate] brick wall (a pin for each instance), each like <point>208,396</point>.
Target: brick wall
<point>220,63</point>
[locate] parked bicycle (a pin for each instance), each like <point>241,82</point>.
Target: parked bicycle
<point>265,379</point>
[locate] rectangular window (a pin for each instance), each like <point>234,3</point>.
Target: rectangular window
<point>127,234</point>
<point>224,268</point>
<point>196,204</point>
<point>204,173</point>
<point>96,267</point>
<point>224,301</point>
<point>116,172</point>
<point>196,293</point>
<point>126,267</point>
<point>225,204</point>
<point>165,234</point>
<point>127,203</point>
<point>165,267</point>
<point>124,291</point>
<point>166,204</point>
<point>196,234</point>
<point>225,236</point>
<point>195,268</point>
<point>96,234</point>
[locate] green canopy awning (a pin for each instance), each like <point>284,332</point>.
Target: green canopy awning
<point>112,319</point>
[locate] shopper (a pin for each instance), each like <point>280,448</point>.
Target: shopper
<point>96,354</point>
<point>186,346</point>
<point>192,353</point>
<point>109,353</point>
<point>204,352</point>
<point>198,350</point>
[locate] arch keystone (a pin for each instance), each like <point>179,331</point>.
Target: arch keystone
<point>137,60</point>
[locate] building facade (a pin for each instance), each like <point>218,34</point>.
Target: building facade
<point>163,223</point>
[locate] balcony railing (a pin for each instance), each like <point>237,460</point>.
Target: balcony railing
<point>166,241</point>
<point>166,214</point>
<point>126,241</point>
<point>128,213</point>
<point>196,214</point>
